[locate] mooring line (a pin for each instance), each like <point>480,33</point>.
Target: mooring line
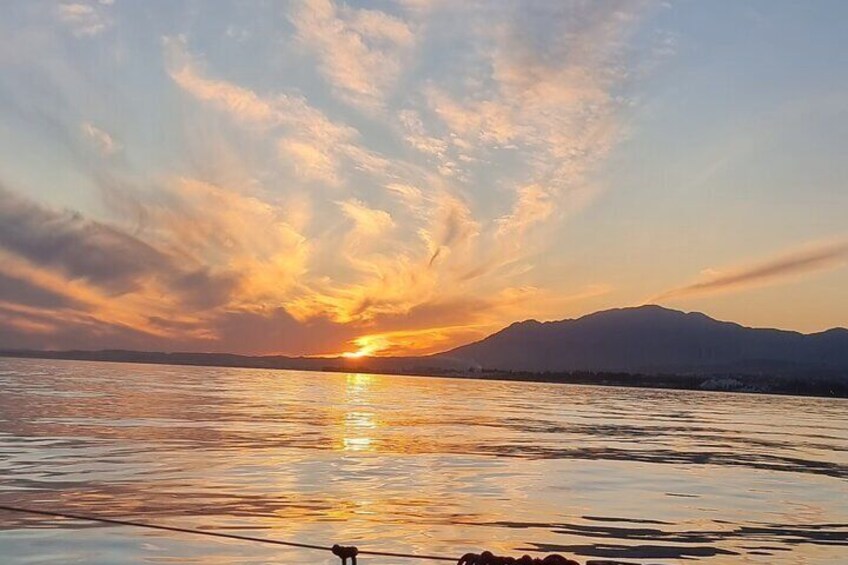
<point>345,553</point>
<point>118,522</point>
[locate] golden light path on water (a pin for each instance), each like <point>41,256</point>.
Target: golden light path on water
<point>412,464</point>
<point>358,424</point>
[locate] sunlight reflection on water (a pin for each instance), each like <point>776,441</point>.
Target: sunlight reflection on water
<point>412,464</point>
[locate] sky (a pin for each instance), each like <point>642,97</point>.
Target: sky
<point>318,177</point>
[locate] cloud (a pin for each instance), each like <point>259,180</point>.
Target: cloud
<point>311,162</point>
<point>534,205</point>
<point>277,220</point>
<point>359,51</point>
<point>445,321</point>
<point>411,342</point>
<point>316,146</point>
<point>452,228</point>
<point>20,291</point>
<point>242,103</point>
<point>410,195</point>
<point>191,275</point>
<point>416,135</point>
<point>101,140</point>
<point>75,302</point>
<point>275,330</point>
<point>84,19</point>
<point>368,222</point>
<point>436,241</point>
<point>53,259</point>
<point>550,94</point>
<point>796,263</point>
<point>248,242</point>
<point>78,247</point>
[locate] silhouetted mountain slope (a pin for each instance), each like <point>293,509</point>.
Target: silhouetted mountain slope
<point>652,339</point>
<point>639,347</point>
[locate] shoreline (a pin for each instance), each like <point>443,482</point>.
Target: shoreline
<point>781,385</point>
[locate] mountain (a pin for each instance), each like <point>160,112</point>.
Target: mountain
<point>648,346</point>
<point>652,340</point>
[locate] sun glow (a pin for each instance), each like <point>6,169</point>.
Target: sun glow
<point>355,354</point>
<point>411,342</point>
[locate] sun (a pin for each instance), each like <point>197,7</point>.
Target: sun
<point>368,346</point>
<point>354,354</point>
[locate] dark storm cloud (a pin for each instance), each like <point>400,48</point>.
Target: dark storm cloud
<point>202,289</point>
<point>68,330</point>
<point>19,291</point>
<point>78,247</point>
<point>100,254</point>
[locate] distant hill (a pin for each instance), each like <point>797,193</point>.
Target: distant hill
<point>648,346</point>
<point>372,364</point>
<point>652,340</point>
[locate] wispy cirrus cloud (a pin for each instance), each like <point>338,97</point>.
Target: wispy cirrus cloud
<point>316,146</point>
<point>552,107</point>
<point>360,52</point>
<point>84,19</point>
<point>533,205</point>
<point>279,220</point>
<point>440,241</point>
<point>388,275</point>
<point>100,139</point>
<point>367,221</point>
<point>787,266</point>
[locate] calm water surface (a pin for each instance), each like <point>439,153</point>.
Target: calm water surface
<point>412,464</point>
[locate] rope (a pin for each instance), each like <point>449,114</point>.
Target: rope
<point>342,552</point>
<point>117,522</point>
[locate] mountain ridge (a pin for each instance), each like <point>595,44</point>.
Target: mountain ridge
<point>648,346</point>
<point>654,339</point>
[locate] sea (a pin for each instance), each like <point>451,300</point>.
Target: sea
<point>417,465</point>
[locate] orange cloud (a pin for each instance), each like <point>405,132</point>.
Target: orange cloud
<point>285,216</point>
